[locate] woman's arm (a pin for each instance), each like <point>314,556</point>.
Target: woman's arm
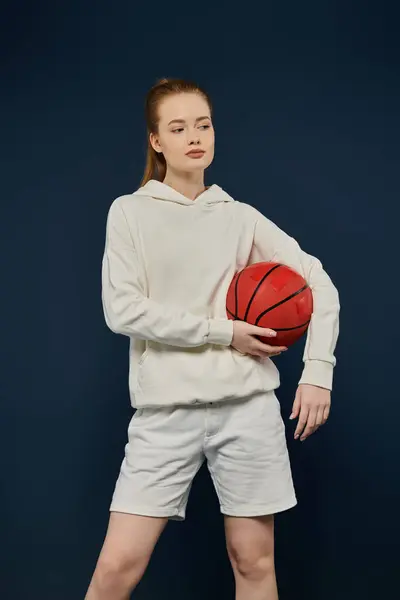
<point>273,244</point>
<point>128,311</point>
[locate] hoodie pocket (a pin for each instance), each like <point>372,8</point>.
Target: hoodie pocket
<point>141,365</point>
<point>172,374</point>
<point>165,366</point>
<point>143,357</point>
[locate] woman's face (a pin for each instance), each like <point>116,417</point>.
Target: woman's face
<point>184,125</point>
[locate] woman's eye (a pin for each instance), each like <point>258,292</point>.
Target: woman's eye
<point>179,129</point>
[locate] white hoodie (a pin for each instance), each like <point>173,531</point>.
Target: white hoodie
<point>167,266</point>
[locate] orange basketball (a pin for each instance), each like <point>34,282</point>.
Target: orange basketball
<point>271,295</point>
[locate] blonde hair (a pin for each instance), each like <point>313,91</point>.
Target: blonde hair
<point>156,166</point>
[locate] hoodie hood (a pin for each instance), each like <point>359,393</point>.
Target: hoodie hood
<point>161,191</point>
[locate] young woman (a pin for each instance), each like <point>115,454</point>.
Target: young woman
<point>203,385</point>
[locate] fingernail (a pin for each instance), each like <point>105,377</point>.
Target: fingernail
<point>291,416</point>
<point>296,436</point>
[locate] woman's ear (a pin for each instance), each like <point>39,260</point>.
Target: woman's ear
<point>155,144</point>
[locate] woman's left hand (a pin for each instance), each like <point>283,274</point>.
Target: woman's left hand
<point>312,405</point>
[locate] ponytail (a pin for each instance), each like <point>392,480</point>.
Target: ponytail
<point>156,167</point>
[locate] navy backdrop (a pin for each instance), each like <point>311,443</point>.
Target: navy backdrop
<point>307,103</point>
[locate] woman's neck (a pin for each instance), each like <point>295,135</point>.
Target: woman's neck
<point>190,188</point>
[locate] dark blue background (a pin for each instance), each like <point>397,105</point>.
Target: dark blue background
<point>307,103</point>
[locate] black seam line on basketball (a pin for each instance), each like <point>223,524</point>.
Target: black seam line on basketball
<point>291,328</point>
<point>257,288</point>
<point>236,294</point>
<point>278,328</point>
<point>260,316</point>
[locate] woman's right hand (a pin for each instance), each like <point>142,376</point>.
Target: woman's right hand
<point>245,341</point>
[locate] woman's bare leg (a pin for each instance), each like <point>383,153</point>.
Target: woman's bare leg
<point>125,554</point>
<point>250,543</point>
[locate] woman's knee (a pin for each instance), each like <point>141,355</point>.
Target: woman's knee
<point>127,549</point>
<point>255,564</point>
<point>119,572</point>
<point>250,545</point>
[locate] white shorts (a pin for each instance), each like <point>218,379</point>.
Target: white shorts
<point>243,442</point>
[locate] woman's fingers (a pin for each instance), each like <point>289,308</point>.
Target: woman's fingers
<point>302,422</point>
<point>310,425</point>
<point>327,410</point>
<point>267,350</point>
<point>262,331</point>
<point>320,417</point>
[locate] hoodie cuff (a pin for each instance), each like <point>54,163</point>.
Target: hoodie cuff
<point>317,372</point>
<point>220,332</point>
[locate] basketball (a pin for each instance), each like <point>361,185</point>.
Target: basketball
<point>271,295</point>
